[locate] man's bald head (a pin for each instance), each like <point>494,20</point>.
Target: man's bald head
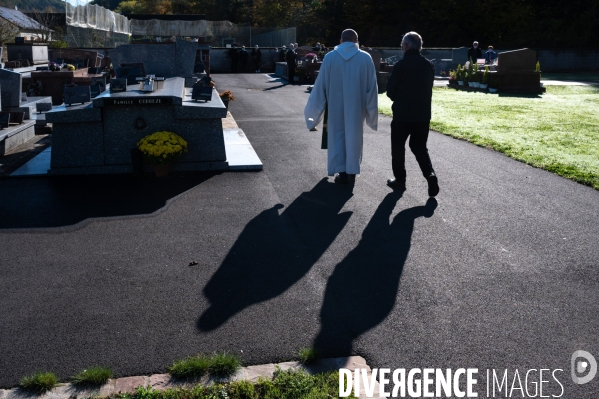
<point>349,35</point>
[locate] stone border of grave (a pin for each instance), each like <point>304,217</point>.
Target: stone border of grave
<point>161,382</point>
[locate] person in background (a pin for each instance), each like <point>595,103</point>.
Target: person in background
<point>490,55</point>
<point>346,87</point>
<point>282,54</point>
<point>290,58</point>
<point>410,87</point>
<point>234,55</point>
<point>256,58</point>
<point>243,59</point>
<point>474,52</point>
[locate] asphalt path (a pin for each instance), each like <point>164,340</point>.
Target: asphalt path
<point>500,272</point>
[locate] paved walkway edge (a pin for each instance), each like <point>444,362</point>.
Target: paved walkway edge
<point>162,382</point>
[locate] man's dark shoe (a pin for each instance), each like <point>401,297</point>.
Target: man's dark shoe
<point>342,178</point>
<point>433,186</point>
<point>396,184</point>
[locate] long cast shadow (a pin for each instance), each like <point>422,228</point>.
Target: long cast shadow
<point>362,290</point>
<point>275,251</point>
<point>61,201</point>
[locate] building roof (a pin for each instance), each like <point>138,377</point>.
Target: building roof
<point>19,19</point>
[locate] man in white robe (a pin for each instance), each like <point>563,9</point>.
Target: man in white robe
<point>346,85</point>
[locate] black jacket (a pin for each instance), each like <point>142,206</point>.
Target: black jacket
<point>290,57</point>
<point>410,87</point>
<point>474,53</point>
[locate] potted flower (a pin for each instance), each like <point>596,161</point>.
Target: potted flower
<point>54,67</point>
<point>460,75</point>
<point>485,79</point>
<point>160,149</point>
<point>226,97</point>
<point>310,57</point>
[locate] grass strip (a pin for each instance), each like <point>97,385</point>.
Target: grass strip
<point>558,131</point>
<point>39,382</point>
<point>95,375</point>
<point>290,384</point>
<point>222,364</point>
<point>308,355</point>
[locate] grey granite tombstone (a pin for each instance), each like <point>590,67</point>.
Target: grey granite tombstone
<point>185,57</point>
<point>10,88</point>
<point>77,94</point>
<point>175,59</point>
<point>460,55</point>
<point>98,138</point>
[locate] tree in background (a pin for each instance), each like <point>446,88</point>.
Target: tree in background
<point>8,31</point>
<point>442,23</point>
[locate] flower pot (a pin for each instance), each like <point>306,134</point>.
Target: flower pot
<point>541,84</point>
<point>460,83</point>
<point>162,170</point>
<point>483,86</point>
<point>491,90</point>
<point>226,102</point>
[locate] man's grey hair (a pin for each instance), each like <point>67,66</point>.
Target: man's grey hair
<point>413,40</point>
<point>349,35</point>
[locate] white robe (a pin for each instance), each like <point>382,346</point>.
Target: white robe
<point>347,85</point>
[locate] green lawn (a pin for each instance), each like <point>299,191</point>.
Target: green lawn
<point>558,131</point>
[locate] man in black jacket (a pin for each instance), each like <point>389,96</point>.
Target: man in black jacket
<point>290,57</point>
<point>410,87</point>
<point>475,52</point>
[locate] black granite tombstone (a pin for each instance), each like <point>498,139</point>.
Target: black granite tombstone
<point>77,94</point>
<point>41,107</point>
<point>118,84</point>
<point>129,73</point>
<point>4,119</point>
<point>201,93</point>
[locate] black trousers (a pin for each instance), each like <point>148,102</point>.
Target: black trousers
<point>418,133</point>
<point>290,72</point>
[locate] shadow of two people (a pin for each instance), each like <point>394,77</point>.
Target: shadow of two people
<point>275,251</point>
